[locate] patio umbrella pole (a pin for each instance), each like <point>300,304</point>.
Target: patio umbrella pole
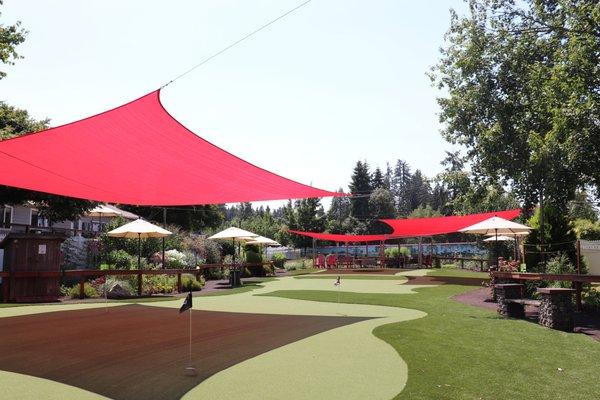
<point>496,248</point>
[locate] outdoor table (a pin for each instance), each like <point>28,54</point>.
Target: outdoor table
<point>556,308</point>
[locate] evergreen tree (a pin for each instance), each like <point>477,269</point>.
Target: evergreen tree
<point>360,187</point>
<point>338,212</point>
<point>400,186</point>
<point>377,180</point>
<point>419,191</point>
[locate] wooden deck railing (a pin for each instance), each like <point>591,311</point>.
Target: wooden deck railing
<point>575,279</point>
<point>462,260</point>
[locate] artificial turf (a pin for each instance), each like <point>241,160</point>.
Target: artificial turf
<point>458,273</point>
<point>462,352</point>
<point>354,277</point>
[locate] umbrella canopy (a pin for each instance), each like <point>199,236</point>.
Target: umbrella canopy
<point>499,239</point>
<point>496,226</point>
<point>234,233</point>
<point>139,229</point>
<point>102,211</point>
<point>264,240</point>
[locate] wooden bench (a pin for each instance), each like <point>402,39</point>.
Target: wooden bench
<point>524,302</point>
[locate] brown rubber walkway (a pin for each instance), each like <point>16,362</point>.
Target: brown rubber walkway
<point>140,352</point>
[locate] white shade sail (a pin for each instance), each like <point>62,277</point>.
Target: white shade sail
<point>264,240</point>
<point>139,229</point>
<point>496,226</point>
<point>234,233</point>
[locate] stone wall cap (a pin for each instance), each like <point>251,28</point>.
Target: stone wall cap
<point>555,290</point>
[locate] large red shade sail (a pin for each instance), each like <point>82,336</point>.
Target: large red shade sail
<point>334,237</point>
<point>415,227</point>
<point>138,154</point>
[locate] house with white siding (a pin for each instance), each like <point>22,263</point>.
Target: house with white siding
<point>26,218</point>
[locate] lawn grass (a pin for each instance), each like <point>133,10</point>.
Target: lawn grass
<point>463,352</point>
<point>303,271</point>
<point>458,273</point>
<point>360,277</point>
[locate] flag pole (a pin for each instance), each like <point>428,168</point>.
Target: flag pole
<point>190,348</point>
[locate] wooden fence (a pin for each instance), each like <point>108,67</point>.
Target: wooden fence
<point>83,274</point>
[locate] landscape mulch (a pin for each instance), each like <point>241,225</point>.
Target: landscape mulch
<point>585,322</point>
<point>140,352</point>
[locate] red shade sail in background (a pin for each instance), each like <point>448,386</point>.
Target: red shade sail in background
<point>415,227</point>
<point>332,237</point>
<point>138,154</point>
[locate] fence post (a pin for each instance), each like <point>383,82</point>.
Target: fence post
<point>139,275</point>
<point>462,263</point>
<point>179,282</point>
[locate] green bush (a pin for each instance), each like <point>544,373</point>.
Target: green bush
<point>189,283</point>
<point>392,252</point>
<point>278,260</point>
<point>591,300</point>
<point>159,284</point>
<point>88,291</point>
<point>120,259</point>
<point>560,265</point>
<point>253,257</point>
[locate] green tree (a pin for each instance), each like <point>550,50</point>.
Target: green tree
<point>338,212</point>
<point>522,81</point>
<point>381,206</point>
<point>377,180</point>
<point>10,37</point>
<point>401,182</point>
<point>418,191</point>
<point>360,187</point>
<point>582,207</point>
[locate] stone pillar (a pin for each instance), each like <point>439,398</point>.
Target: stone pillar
<point>508,291</point>
<point>556,308</point>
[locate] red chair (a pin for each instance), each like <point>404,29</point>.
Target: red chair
<point>331,261</point>
<point>320,261</point>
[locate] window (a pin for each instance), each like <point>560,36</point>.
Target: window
<point>6,216</point>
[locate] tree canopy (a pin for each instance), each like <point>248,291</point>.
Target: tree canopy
<point>522,94</point>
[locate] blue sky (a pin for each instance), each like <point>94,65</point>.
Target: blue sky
<point>335,82</point>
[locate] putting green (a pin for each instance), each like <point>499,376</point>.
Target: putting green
<point>44,308</point>
<point>17,386</point>
<point>344,363</point>
<point>414,272</point>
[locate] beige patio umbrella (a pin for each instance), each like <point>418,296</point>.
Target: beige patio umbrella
<point>100,211</point>
<point>501,238</point>
<point>495,226</point>
<point>234,233</point>
<point>139,229</point>
<point>264,241</point>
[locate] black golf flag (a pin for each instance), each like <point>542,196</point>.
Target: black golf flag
<point>187,304</point>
